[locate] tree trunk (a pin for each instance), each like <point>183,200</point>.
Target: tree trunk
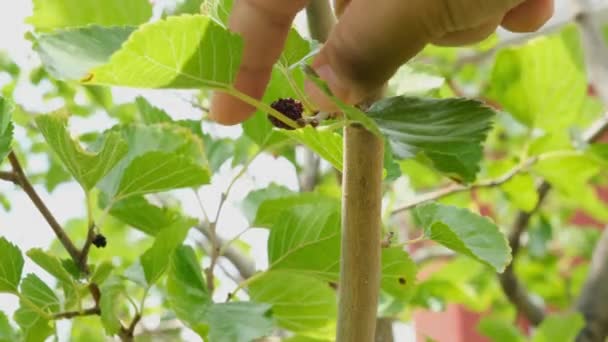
<point>359,283</point>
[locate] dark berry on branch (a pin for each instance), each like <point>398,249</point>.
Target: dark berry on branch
<point>99,241</point>
<point>290,108</point>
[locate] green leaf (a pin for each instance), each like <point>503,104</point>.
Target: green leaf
<point>53,14</point>
<point>299,303</point>
<point>295,51</point>
<point>238,322</point>
<point>218,150</point>
<point>186,288</point>
<point>149,113</point>
<point>146,145</point>
<point>37,302</point>
<point>253,200</point>
<point>270,210</point>
<point>71,53</point>
<point>112,291</point>
<point>525,82</point>
<point>161,171</point>
<point>156,259</point>
<point>499,330</point>
<point>137,212</point>
<point>7,334</point>
<point>179,52</point>
<point>88,168</point>
<point>398,273</point>
<point>102,272</point>
<point>11,266</point>
<point>306,239</point>
<point>447,133</point>
<point>325,143</point>
<point>50,264</point>
<point>559,328</point>
<point>539,238</point>
<point>465,232</point>
<point>571,175</point>
<point>6,128</point>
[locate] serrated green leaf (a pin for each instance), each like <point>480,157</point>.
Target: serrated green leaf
<point>109,304</point>
<point>571,176</point>
<point>50,264</point>
<point>156,259</point>
<point>559,328</point>
<point>37,302</point>
<point>137,212</point>
<point>11,266</point>
<point>499,330</point>
<point>465,232</point>
<point>186,288</point>
<point>238,322</point>
<point>160,171</point>
<point>448,133</point>
<point>178,52</point>
<point>169,138</point>
<point>299,303</point>
<point>149,113</point>
<point>251,203</point>
<point>269,211</point>
<point>306,239</point>
<point>398,273</point>
<point>88,168</point>
<point>71,53</point>
<point>525,83</point>
<point>53,14</point>
<point>7,334</point>
<point>325,143</point>
<point>6,128</point>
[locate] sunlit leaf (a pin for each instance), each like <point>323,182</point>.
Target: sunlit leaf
<point>559,328</point>
<point>87,167</point>
<point>6,128</point>
<point>251,203</point>
<point>37,302</point>
<point>465,232</point>
<point>50,264</point>
<point>7,334</point>
<point>325,143</point>
<point>499,330</point>
<point>299,302</point>
<point>398,273</point>
<point>71,53</point>
<point>270,210</point>
<point>137,212</point>
<point>156,259</point>
<point>11,266</point>
<point>178,52</point>
<point>525,82</point>
<point>53,14</point>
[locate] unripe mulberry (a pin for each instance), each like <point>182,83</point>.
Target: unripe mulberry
<point>290,108</point>
<point>99,241</point>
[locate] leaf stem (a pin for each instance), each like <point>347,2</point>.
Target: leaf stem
<point>244,284</point>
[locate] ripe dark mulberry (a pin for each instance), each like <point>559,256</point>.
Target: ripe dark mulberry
<point>99,241</point>
<point>289,107</point>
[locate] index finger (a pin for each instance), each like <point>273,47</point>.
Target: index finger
<point>264,25</point>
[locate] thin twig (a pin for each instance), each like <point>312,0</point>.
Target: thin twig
<point>458,188</point>
<point>27,187</point>
<point>9,177</point>
<point>71,314</point>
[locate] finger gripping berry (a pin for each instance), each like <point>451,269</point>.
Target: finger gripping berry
<point>289,107</point>
<point>99,241</point>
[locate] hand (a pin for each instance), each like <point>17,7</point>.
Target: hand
<point>372,39</point>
